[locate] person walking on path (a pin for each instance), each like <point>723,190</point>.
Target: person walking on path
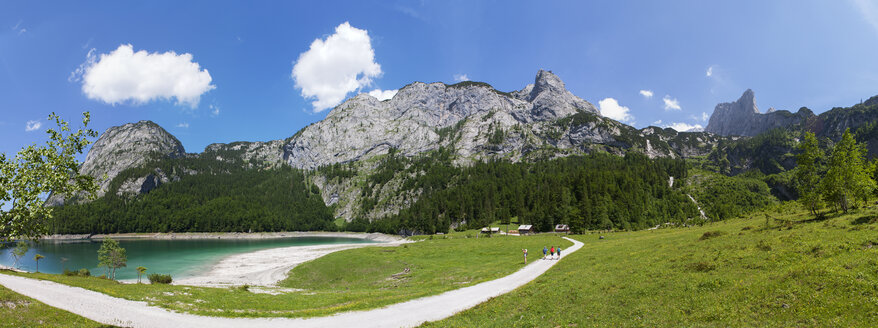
<point>524,250</point>
<point>545,251</point>
<point>558,250</point>
<point>552,252</point>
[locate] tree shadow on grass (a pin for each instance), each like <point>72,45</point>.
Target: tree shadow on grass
<point>868,219</point>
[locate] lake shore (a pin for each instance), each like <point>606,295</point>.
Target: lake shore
<point>263,268</point>
<point>376,237</point>
<point>266,267</point>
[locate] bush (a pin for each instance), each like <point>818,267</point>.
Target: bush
<point>711,234</point>
<point>702,266</point>
<point>70,273</point>
<point>156,278</point>
<point>84,272</point>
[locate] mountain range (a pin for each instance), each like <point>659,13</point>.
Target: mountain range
<point>471,120</point>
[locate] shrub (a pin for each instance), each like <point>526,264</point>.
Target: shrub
<point>702,266</point>
<point>763,246</point>
<point>70,273</point>
<point>84,272</point>
<point>711,234</point>
<point>156,278</point>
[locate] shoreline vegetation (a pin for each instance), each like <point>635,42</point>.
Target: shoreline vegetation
<point>377,237</point>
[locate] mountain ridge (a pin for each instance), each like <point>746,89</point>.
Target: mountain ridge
<point>468,122</point>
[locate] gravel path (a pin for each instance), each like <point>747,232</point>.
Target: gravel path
<point>116,311</point>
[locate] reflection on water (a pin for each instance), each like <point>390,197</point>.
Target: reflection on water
<point>180,258</point>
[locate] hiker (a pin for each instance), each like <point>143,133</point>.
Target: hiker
<point>545,251</point>
<point>552,252</point>
<point>559,252</point>
<point>524,250</point>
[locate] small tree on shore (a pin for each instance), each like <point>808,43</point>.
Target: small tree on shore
<point>18,252</point>
<point>140,271</point>
<point>37,259</point>
<point>112,256</point>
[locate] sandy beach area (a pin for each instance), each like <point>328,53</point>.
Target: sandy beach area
<point>266,267</point>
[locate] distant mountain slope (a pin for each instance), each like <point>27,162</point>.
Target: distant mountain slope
<point>123,147</point>
<point>742,118</point>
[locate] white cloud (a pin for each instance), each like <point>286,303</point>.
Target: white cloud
<point>383,94</point>
<point>646,93</point>
<point>704,116</point>
<point>18,28</point>
<point>611,108</point>
<point>709,72</point>
<point>461,77</point>
<point>685,127</point>
<point>214,110</point>
<point>183,125</point>
<point>139,77</point>
<point>332,68</point>
<point>657,122</point>
<point>671,104</point>
<point>32,125</point>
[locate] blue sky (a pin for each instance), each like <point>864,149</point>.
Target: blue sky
<point>237,82</point>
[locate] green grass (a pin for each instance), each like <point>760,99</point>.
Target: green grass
<point>348,280</point>
<point>21,311</point>
<point>792,272</point>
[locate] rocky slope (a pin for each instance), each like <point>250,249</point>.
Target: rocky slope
<point>127,146</point>
<point>742,118</point>
<point>412,121</point>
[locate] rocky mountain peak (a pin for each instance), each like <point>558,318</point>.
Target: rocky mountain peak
<point>546,81</point>
<point>742,117</point>
<point>747,102</point>
<point>363,127</point>
<point>125,146</point>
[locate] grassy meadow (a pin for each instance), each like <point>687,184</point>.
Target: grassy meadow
<point>785,270</point>
<point>355,279</point>
<point>22,311</point>
<point>777,268</point>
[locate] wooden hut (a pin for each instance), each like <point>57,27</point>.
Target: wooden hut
<point>525,229</point>
<point>491,230</point>
<point>562,228</point>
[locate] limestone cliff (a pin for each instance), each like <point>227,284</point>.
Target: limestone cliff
<point>742,118</point>
<point>127,146</point>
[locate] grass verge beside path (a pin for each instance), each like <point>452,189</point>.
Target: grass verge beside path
<point>21,311</point>
<point>355,279</point>
<point>792,272</point>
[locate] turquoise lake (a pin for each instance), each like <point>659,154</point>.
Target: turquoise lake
<point>180,258</point>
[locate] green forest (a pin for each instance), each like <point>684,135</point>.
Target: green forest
<point>599,191</point>
<point>221,197</point>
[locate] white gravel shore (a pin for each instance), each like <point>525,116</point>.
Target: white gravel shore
<point>265,267</point>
